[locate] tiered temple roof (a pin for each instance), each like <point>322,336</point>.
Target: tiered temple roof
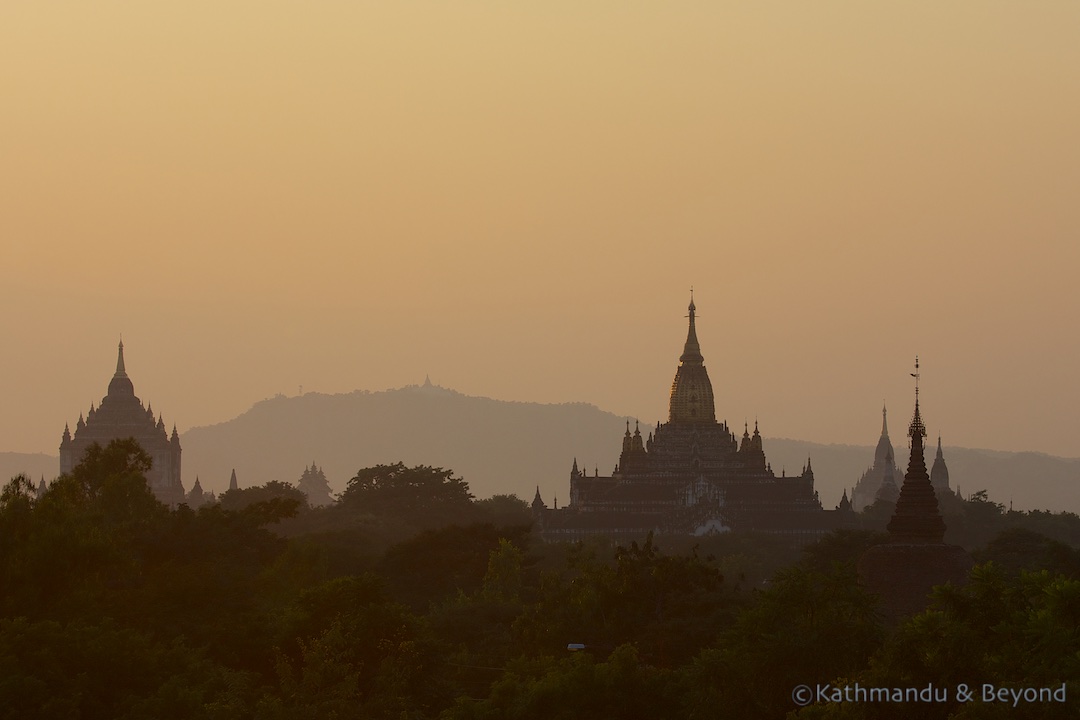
<point>690,475</point>
<point>121,415</point>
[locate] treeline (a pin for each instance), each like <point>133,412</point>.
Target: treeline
<point>408,598</point>
<point>1034,539</point>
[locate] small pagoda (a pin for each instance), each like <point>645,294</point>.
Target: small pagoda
<point>915,559</point>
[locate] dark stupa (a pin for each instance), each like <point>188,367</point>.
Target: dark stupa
<point>915,558</point>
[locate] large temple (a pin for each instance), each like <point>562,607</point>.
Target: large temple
<point>690,476</point>
<point>121,415</point>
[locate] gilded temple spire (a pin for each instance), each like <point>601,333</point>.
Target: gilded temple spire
<point>692,350</point>
<point>691,392</point>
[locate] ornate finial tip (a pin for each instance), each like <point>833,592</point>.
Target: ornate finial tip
<point>917,427</point>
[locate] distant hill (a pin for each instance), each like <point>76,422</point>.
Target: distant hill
<point>1031,481</point>
<point>511,447</point>
<point>497,446</point>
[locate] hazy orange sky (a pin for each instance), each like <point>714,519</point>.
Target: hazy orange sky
<point>516,197</point>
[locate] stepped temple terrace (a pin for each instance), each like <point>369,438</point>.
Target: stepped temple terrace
<point>690,476</point>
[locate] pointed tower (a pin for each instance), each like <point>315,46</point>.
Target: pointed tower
<point>939,474</point>
<point>174,453</point>
<point>917,518</point>
<point>195,498</point>
<point>691,392</point>
<point>751,451</point>
<point>232,481</point>
<point>904,570</point>
<point>874,483</point>
<point>884,444</point>
<point>120,385</point>
<point>66,456</point>
<point>538,505</point>
<point>634,457</point>
<point>844,515</point>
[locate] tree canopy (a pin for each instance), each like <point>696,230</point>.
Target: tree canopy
<point>430,495</point>
<point>396,603</point>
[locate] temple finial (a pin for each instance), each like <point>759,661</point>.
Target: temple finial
<point>884,420</point>
<point>120,371</point>
<point>917,427</point>
<point>692,349</point>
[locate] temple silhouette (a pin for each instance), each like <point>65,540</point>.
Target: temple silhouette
<point>882,480</point>
<point>121,415</point>
<point>915,558</point>
<point>690,476</point>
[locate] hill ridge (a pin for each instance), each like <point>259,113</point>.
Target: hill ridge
<point>511,446</point>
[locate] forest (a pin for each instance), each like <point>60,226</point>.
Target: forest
<point>409,599</point>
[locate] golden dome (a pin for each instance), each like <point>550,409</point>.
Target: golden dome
<point>691,391</point>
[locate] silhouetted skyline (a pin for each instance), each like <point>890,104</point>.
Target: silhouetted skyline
<point>515,200</point>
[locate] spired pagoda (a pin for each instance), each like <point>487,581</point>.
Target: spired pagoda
<point>916,558</point>
<point>690,476</point>
<point>939,474</point>
<point>121,415</point>
<point>314,485</point>
<point>879,481</point>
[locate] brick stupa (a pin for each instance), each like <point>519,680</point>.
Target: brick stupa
<point>916,558</point>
